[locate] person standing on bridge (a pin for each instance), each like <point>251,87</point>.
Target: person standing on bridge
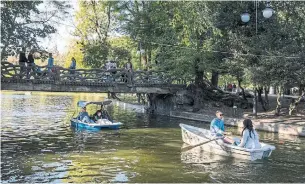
<point>230,87</point>
<point>234,88</point>
<point>30,64</point>
<point>22,61</point>
<point>113,67</point>
<point>50,62</point>
<point>128,67</point>
<point>108,67</point>
<point>72,65</point>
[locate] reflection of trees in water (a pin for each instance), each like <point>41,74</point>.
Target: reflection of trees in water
<point>220,168</point>
<point>198,156</point>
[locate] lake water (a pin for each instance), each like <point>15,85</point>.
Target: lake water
<point>38,145</point>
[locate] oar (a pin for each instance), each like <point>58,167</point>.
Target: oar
<point>199,144</point>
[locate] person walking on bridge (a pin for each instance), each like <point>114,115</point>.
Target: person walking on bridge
<point>128,67</point>
<point>50,63</point>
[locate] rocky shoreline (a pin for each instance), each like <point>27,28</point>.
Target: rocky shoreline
<point>259,124</point>
<point>283,127</point>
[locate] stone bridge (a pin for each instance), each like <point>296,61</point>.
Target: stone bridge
<point>59,79</point>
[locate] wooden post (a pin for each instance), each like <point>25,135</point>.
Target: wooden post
<point>255,104</point>
<point>139,97</point>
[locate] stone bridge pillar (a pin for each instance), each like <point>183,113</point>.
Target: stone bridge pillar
<point>160,103</point>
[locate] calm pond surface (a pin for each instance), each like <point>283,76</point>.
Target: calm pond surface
<point>38,145</point>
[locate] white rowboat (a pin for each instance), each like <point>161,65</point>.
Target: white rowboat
<point>193,136</point>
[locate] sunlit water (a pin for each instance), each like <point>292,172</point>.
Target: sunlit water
<point>38,145</point>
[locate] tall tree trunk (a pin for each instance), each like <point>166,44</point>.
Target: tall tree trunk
<point>214,79</point>
<point>145,61</point>
<point>255,103</point>
<point>198,86</point>
<point>198,75</point>
<point>278,100</point>
<point>108,23</point>
<point>149,56</point>
<point>301,88</point>
<point>266,97</point>
<point>242,89</point>
<point>294,103</point>
<point>260,99</point>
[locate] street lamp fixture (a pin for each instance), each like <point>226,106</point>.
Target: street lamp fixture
<point>267,13</point>
<point>245,17</point>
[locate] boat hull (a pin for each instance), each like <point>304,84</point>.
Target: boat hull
<point>78,124</point>
<point>194,136</point>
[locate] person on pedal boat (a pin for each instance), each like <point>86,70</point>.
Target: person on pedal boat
<point>104,113</point>
<point>98,115</point>
<point>217,127</point>
<point>84,116</point>
<point>98,118</point>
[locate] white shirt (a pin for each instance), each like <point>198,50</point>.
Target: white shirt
<point>250,142</point>
<point>108,65</point>
<point>113,65</point>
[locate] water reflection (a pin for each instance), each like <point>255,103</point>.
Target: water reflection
<point>38,145</point>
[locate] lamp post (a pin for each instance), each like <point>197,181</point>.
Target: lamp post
<point>267,13</point>
<point>140,51</point>
<point>245,17</point>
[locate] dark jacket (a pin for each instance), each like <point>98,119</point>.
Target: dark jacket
<point>22,58</point>
<point>30,58</point>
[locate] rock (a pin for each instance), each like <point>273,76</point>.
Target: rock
<point>183,97</point>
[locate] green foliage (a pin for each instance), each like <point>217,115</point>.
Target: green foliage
<point>121,49</point>
<point>23,23</point>
<point>189,38</point>
<point>75,50</point>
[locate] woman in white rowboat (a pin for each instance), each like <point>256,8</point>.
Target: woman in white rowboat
<point>250,138</point>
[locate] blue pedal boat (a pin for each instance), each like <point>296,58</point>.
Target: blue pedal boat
<point>94,125</point>
<point>79,124</point>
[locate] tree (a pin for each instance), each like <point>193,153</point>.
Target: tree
<point>95,21</point>
<point>23,23</point>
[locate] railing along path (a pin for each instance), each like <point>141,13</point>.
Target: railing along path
<point>11,73</point>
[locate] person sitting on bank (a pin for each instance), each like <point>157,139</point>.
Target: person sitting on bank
<point>84,116</point>
<point>250,138</point>
<point>217,127</point>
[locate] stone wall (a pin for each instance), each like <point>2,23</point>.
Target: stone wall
<point>282,128</point>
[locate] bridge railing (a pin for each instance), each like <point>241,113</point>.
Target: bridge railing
<point>56,74</point>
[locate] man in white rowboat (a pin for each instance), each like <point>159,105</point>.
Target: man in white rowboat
<point>217,127</point>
